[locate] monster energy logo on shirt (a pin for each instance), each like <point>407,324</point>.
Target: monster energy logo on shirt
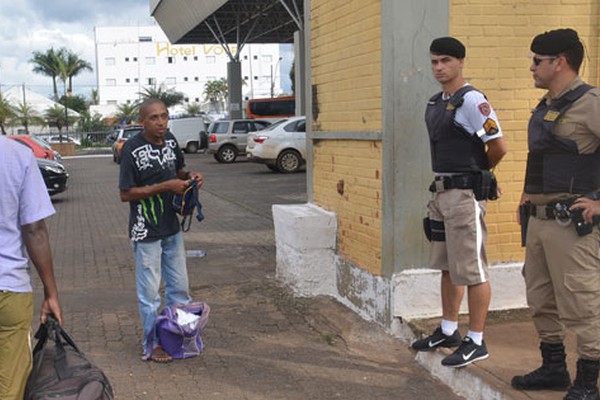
<point>149,208</point>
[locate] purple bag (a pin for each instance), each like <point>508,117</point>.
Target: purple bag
<point>182,340</point>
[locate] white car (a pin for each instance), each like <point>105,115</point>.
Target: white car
<point>281,146</point>
<point>65,139</point>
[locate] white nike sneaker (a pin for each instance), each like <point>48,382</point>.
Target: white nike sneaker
<point>467,353</point>
<point>437,339</point>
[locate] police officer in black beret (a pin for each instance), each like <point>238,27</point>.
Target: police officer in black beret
<point>562,259</point>
<point>466,142</point>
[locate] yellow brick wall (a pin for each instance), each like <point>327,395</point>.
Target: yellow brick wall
<point>358,208</point>
<point>346,63</point>
<point>346,70</point>
<point>497,36</point>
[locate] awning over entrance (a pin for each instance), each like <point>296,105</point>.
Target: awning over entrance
<point>228,21</point>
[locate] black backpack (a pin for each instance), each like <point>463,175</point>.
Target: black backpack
<point>61,370</point>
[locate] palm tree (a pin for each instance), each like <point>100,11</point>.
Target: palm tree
<point>47,64</point>
<point>74,65</point>
<point>193,109</point>
<point>55,116</point>
<point>25,116</point>
<point>7,111</point>
<point>216,92</point>
<point>127,113</point>
<point>168,96</point>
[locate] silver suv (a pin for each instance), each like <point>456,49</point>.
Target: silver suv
<point>228,138</point>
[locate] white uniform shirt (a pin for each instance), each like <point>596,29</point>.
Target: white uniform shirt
<point>477,116</point>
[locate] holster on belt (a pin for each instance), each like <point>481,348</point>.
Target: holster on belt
<point>524,219</point>
<point>485,186</point>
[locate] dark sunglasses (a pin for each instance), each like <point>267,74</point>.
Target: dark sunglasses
<point>538,59</point>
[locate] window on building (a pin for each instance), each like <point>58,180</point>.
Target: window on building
<point>134,59</point>
<point>267,59</point>
<point>170,81</point>
<point>128,101</point>
<point>245,57</point>
<point>196,79</point>
<point>151,81</point>
<point>111,102</point>
<point>195,58</point>
<point>145,38</point>
<point>255,57</point>
<point>211,59</point>
<point>135,80</point>
<point>184,58</point>
<point>255,77</point>
<point>150,60</point>
<point>171,60</point>
<point>187,99</point>
<point>185,79</point>
<point>127,80</point>
<point>197,99</point>
<point>126,59</point>
<point>111,82</point>
<point>109,61</point>
<point>246,77</point>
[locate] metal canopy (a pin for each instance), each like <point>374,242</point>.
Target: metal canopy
<point>237,21</point>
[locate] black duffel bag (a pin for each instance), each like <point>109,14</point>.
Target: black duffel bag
<point>61,370</point>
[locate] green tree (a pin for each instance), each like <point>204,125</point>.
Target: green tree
<point>168,96</point>
<point>7,111</point>
<point>95,98</point>
<point>192,109</point>
<point>76,103</point>
<point>92,122</point>
<point>127,113</point>
<point>74,65</point>
<point>55,116</point>
<point>47,64</point>
<point>26,116</point>
<point>216,92</point>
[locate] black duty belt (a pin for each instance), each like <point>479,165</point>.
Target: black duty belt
<point>545,211</point>
<point>442,183</point>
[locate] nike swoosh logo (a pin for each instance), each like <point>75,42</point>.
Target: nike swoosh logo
<point>467,356</point>
<point>433,344</point>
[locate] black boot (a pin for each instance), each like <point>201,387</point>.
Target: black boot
<point>585,385</point>
<point>552,375</point>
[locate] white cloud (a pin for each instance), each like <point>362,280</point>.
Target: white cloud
<point>38,25</point>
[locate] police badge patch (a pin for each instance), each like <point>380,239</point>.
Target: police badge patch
<point>485,109</point>
<point>491,127</point>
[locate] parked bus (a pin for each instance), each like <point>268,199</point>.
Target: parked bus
<point>271,108</point>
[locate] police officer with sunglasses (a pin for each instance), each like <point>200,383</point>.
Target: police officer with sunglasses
<point>562,260</point>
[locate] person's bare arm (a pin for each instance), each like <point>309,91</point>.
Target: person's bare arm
<point>496,149</point>
<point>37,242</point>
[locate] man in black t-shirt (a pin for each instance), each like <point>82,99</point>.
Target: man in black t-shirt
<point>152,171</point>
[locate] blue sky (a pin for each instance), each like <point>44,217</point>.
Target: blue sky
<point>37,25</point>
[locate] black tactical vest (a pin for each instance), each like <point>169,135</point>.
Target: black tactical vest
<point>554,164</point>
<point>453,149</point>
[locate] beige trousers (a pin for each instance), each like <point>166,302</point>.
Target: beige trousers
<point>562,274</point>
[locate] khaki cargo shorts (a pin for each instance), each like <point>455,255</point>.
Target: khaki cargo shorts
<point>462,253</point>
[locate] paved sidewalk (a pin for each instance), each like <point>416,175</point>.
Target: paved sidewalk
<point>261,343</point>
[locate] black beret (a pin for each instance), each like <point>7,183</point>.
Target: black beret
<point>555,42</point>
<point>447,46</point>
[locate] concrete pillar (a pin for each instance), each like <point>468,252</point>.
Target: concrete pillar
<point>234,83</point>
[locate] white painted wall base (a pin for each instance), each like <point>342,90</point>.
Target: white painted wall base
<point>306,261</point>
<point>305,237</point>
<point>416,292</point>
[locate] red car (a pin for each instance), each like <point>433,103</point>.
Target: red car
<point>40,148</point>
